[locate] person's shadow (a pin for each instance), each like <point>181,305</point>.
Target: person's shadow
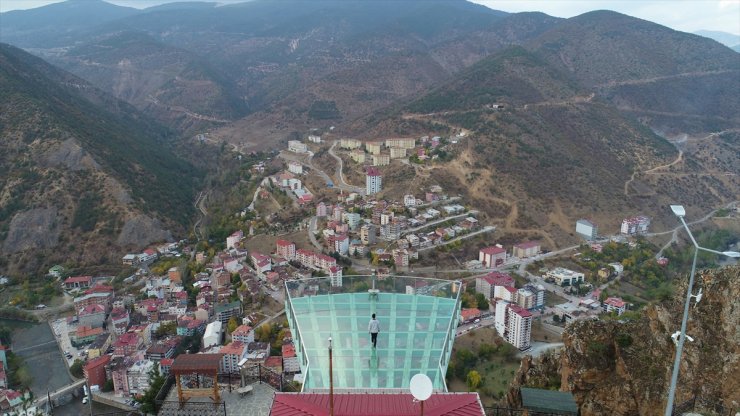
<point>373,361</point>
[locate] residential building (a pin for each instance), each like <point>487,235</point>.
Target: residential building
<point>352,219</point>
<point>84,335</point>
<point>95,298</point>
<point>295,167</point>
<point>341,244</point>
<point>285,249</point>
<point>357,155</point>
<point>297,147</point>
<point>234,239</point>
<point>212,336</point>
<point>231,355</point>
<point>587,229</point>
<point>138,377</point>
<point>126,344</point>
<point>94,371</point>
<point>349,144</point>
<point>314,138</point>
<point>493,256</point>
<point>373,181</point>
<point>614,304</point>
<point>117,369</point>
<point>243,333</point>
<point>290,359</point>
<point>335,275</point>
<point>468,315</point>
<point>528,249</point>
<point>539,293</point>
<point>165,365</point>
<point>56,271</point>
<point>507,293</point>
<point>163,349</point>
<point>78,282</point>
<point>321,210</point>
<point>368,234</point>
<point>526,298</point>
<point>92,316</point>
<point>487,284</point>
<point>409,201</point>
<point>635,225</point>
<point>564,277</point>
<point>390,232</point>
<point>225,311</point>
<point>274,363</point>
<point>381,160</point>
<point>398,153</point>
<point>374,148</point>
<point>519,327</point>
<point>404,143</point>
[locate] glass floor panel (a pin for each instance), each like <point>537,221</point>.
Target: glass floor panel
<point>412,334</point>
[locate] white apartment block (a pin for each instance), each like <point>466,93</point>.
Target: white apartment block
<point>295,167</point>
<point>374,148</point>
<point>297,147</point>
<point>381,160</point>
<point>349,144</point>
<point>314,139</point>
<point>373,181</point>
<point>400,142</point>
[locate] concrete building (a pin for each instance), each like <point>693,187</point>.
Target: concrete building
<point>492,256</point>
<point>487,284</point>
<point>613,304</point>
<point>526,298</point>
<point>564,277</point>
<point>243,333</point>
<point>314,138</point>
<point>224,311</point>
<point>528,249</point>
<point>514,324</point>
<point>409,201</point>
<point>635,225</point>
<point>398,153</point>
<point>94,371</point>
<point>234,239</point>
<point>357,155</point>
<point>349,144</point>
<point>290,359</point>
<point>138,377</point>
<point>368,234</point>
<point>92,316</point>
<point>212,335</point>
<point>539,293</point>
<point>285,249</point>
<point>373,181</point>
<point>404,143</point>
<point>374,148</point>
<point>587,229</point>
<point>381,160</point>
<point>341,244</point>
<point>295,167</point>
<point>232,354</point>
<point>297,147</point>
<point>335,274</point>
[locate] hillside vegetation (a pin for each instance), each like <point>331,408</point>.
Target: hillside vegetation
<point>82,169</point>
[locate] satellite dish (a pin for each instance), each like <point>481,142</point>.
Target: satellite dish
<point>421,387</point>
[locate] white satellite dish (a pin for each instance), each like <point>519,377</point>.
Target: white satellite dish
<point>421,387</point>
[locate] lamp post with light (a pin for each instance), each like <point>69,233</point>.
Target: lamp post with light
<point>680,212</point>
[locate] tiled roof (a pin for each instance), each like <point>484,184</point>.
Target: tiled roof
<point>367,404</point>
<point>493,250</point>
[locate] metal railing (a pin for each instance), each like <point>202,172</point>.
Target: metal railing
<point>505,411</point>
<point>175,408</point>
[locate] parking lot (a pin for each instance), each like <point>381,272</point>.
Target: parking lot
<point>61,333</point>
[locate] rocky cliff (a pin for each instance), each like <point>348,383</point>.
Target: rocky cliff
<point>623,367</point>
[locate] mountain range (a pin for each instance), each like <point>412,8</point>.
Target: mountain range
<point>586,104</point>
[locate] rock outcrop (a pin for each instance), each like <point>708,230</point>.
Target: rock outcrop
<point>36,228</point>
<point>623,367</point>
<point>142,230</point>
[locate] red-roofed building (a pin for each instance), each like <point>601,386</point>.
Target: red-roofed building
<point>528,249</point>
<point>290,359</point>
<point>518,326</point>
<point>95,371</point>
<point>373,404</point>
<point>165,364</point>
<point>92,315</point>
<point>243,333</point>
<point>469,315</point>
<point>487,284</point>
<point>78,282</point>
<point>614,305</point>
<point>231,355</point>
<point>335,275</point>
<point>285,249</point>
<point>373,181</point>
<point>492,256</point>
<point>126,344</point>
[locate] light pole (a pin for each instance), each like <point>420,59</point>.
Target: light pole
<point>680,212</point>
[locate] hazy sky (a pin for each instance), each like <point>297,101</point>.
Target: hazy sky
<point>685,15</point>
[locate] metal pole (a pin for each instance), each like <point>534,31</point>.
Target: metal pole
<point>331,383</point>
<point>682,338</point>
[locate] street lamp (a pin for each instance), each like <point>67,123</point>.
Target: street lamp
<point>680,212</point>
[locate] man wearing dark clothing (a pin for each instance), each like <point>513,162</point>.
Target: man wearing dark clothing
<point>373,327</point>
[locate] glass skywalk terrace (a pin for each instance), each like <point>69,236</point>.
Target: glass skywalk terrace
<point>417,316</point>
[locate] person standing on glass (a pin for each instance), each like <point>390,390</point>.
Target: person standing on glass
<point>373,327</point>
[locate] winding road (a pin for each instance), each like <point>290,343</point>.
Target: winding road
<point>340,174</point>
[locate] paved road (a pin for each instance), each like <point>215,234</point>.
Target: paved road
<point>312,228</point>
<point>486,229</point>
<point>340,174</point>
<point>674,232</point>
<point>439,221</point>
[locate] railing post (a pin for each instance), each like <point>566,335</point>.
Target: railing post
<point>259,372</point>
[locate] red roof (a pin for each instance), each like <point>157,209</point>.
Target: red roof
<point>288,350</point>
<point>97,362</point>
<point>492,250</point>
<point>78,279</point>
<point>469,313</point>
<point>372,171</point>
<point>615,302</point>
<point>166,362</point>
<point>520,311</point>
<point>367,404</point>
<point>274,361</point>
<point>499,279</point>
<point>284,243</point>
<point>90,309</point>
<point>150,252</point>
<point>236,348</point>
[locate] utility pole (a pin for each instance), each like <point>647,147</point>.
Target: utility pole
<point>331,383</point>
